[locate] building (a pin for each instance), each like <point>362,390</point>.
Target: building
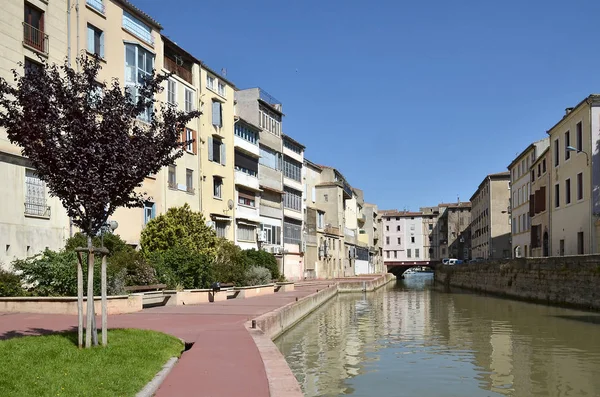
<point>315,262</point>
<point>574,193</point>
<point>293,209</point>
<point>454,231</point>
<point>431,231</point>
<point>403,238</point>
<point>490,225</point>
<point>372,229</point>
<point>539,207</point>
<point>30,220</point>
<point>520,183</point>
<point>362,260</point>
<point>246,141</point>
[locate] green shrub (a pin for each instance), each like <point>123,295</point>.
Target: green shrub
<point>263,259</point>
<point>181,266</point>
<point>112,242</point>
<point>230,263</point>
<point>136,269</point>
<point>55,274</point>
<point>10,284</point>
<point>257,275</point>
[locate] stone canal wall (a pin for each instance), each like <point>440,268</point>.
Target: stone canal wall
<point>567,281</point>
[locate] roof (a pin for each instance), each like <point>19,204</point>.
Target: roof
<point>145,17</point>
<point>497,176</point>
<point>589,100</point>
<point>315,165</point>
<point>524,152</point>
<point>402,214</point>
<point>460,204</point>
<point>205,66</point>
<point>289,138</point>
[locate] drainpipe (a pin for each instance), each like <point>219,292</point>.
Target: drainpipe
<point>592,249</point>
<point>77,27</point>
<point>69,32</point>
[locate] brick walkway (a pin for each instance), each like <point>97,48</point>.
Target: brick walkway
<point>224,361</point>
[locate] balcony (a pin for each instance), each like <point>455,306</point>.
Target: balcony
<point>178,70</point>
<point>38,210</point>
<point>347,190</point>
<point>97,5</point>
<point>35,38</point>
<point>246,146</point>
<point>361,218</point>
<point>246,180</point>
<point>332,230</point>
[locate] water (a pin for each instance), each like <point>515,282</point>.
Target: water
<point>409,339</point>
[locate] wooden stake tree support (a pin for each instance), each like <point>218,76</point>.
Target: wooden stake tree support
<point>91,334</point>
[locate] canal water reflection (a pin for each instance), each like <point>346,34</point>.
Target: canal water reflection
<point>409,339</point>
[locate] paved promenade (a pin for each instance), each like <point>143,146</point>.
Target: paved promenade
<point>224,360</point>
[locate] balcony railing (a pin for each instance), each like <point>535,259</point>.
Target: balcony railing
<point>179,70</point>
<point>268,98</point>
<point>347,190</point>
<point>332,230</point>
<point>37,210</point>
<point>35,38</point>
<point>97,5</point>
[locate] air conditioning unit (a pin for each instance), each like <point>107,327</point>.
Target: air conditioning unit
<point>211,224</point>
<point>276,250</point>
<point>261,235</point>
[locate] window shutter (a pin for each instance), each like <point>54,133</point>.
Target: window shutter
<point>216,114</point>
<point>531,204</point>
<point>90,39</point>
<point>210,148</point>
<point>314,194</point>
<point>153,210</point>
<point>195,144</point>
<point>223,153</point>
<point>102,45</point>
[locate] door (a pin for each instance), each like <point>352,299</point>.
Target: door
<point>580,243</point>
<point>546,243</point>
<point>562,248</point>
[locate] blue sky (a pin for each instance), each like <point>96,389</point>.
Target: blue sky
<point>414,102</point>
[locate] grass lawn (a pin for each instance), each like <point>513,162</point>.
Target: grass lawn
<point>52,365</point>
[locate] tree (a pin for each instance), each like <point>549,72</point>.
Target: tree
<point>179,227</point>
<point>86,142</point>
<point>263,259</point>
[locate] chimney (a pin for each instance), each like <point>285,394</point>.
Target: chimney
<point>568,110</point>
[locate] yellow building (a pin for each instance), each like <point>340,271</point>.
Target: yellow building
<point>30,220</point>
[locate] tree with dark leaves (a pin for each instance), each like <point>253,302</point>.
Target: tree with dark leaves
<point>86,140</point>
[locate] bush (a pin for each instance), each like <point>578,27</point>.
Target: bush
<point>136,269</point>
<point>55,274</point>
<point>257,275</point>
<point>10,284</point>
<point>263,259</point>
<point>230,263</point>
<point>112,242</point>
<point>181,266</point>
<point>179,227</point>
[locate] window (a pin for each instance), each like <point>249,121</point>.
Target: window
<point>398,218</point>
<point>387,241</point>
<point>292,232</point>
<point>532,175</point>
<point>395,254</point>
<point>412,239</point>
<point>95,41</point>
<point>387,228</point>
<point>292,199</point>
<point>35,195</point>
<point>273,234</point>
<point>269,121</point>
<point>514,225</point>
<point>398,228</point>
<point>270,158</point>
<point>246,198</point>
<point>149,211</point>
<point>568,191</point>
<point>217,114</point>
<point>556,153</point>
<point>320,219</point>
<point>189,100</point>
<point>443,250</point>
<point>217,186</point>
<point>173,176</point>
<point>139,65</point>
<point>32,66</point>
<point>408,253</point>
<point>579,243</point>
<point>430,226</point>
<point>221,89</point>
<point>399,240</point>
<point>580,186</point>
<point>387,254</point>
<point>246,164</point>
<point>579,137</point>
<point>567,144</point>
<point>246,133</point>
<point>539,170</point>
<point>543,166</point>
<point>416,252</point>
<point>556,195</point>
<point>292,146</point>
<point>221,228</point>
<point>33,25</point>
<point>137,27</point>
<point>216,150</point>
<point>292,169</point>
<point>190,139</point>
<point>246,233</point>
<point>189,180</point>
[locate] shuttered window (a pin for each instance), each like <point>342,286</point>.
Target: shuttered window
<point>246,164</point>
<point>216,150</point>
<point>216,114</point>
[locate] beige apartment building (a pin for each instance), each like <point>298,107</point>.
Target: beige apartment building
<point>431,234</point>
<point>520,182</point>
<point>30,220</point>
<point>372,229</point>
<point>454,222</point>
<point>490,226</point>
<point>539,205</point>
<point>574,193</point>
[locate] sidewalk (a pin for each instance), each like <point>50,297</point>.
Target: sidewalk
<point>224,360</point>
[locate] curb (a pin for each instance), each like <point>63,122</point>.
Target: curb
<point>152,386</point>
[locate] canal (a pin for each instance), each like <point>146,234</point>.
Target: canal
<point>410,339</point>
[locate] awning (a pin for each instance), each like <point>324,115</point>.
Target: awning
<point>220,217</point>
<point>247,222</point>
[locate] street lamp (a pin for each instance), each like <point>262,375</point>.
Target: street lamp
<point>572,149</point>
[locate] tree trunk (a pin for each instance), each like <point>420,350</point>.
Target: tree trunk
<point>104,308</point>
<point>90,296</point>
<point>79,300</point>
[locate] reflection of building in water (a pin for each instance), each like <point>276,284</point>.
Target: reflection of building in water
<point>501,359</point>
<point>407,315</point>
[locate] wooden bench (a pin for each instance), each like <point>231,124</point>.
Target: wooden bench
<point>153,295</point>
